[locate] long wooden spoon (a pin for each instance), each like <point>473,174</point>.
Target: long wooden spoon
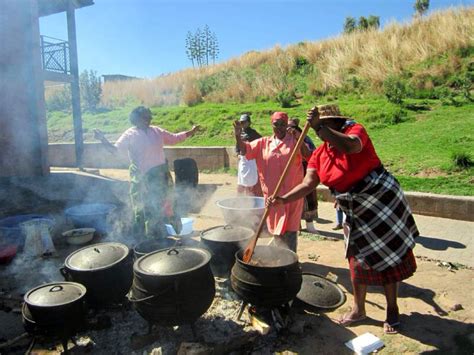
<point>248,252</point>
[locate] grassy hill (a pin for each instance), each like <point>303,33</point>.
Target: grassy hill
<point>409,84</point>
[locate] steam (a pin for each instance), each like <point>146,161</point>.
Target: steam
<point>243,211</point>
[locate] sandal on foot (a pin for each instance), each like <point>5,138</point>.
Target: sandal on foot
<point>347,321</point>
<point>395,326</point>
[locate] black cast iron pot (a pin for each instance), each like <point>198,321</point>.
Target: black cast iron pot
<point>272,278</point>
<point>105,269</point>
<point>151,245</point>
<point>173,286</point>
<point>223,242</point>
<point>57,304</point>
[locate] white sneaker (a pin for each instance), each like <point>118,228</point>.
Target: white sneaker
<point>310,227</point>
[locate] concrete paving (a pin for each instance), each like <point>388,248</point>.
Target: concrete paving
<point>440,238</point>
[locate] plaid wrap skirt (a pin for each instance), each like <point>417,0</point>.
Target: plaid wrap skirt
<point>362,274</point>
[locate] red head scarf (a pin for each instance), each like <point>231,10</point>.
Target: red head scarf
<point>279,116</point>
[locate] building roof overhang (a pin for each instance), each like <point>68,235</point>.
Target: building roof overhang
<point>50,7</point>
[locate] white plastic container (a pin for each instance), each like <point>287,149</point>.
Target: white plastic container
<point>79,236</point>
<point>187,229</point>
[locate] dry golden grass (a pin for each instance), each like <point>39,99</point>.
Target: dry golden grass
<point>371,56</point>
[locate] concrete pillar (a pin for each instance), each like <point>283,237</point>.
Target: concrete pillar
<point>23,133</point>
<point>75,92</point>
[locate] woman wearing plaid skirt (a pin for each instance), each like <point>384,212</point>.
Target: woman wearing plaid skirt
<point>379,230</point>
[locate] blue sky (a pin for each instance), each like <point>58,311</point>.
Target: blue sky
<point>146,38</point>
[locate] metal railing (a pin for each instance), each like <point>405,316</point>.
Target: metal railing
<point>55,55</point>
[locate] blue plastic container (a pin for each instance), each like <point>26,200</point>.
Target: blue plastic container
<point>11,232</point>
<point>90,215</point>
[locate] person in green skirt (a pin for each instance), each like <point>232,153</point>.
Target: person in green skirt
<point>151,184</point>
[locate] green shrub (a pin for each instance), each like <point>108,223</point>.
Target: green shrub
<point>301,62</point>
<point>285,98</point>
<point>60,100</point>
<point>395,90</point>
<point>462,160</point>
<point>91,90</point>
<point>398,116</point>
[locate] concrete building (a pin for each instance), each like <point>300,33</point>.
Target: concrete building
<point>26,61</point>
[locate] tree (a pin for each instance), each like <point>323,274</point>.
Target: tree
<point>350,24</point>
<point>202,46</point>
<point>91,89</point>
<point>374,22</point>
<point>363,24</point>
<point>189,47</point>
<point>421,6</point>
<point>213,48</point>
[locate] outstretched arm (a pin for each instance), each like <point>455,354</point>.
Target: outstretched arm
<point>240,145</point>
<point>99,135</point>
<point>192,131</point>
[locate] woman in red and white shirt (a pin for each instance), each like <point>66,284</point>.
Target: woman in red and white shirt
<point>379,230</point>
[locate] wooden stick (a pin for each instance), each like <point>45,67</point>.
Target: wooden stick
<point>248,253</point>
<point>11,342</point>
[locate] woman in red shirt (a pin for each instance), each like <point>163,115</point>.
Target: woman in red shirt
<point>271,155</point>
<point>379,230</point>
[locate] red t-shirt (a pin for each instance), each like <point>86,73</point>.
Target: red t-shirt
<point>341,171</point>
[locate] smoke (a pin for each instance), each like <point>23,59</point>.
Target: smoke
<point>243,211</point>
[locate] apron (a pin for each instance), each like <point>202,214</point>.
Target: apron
<point>247,172</point>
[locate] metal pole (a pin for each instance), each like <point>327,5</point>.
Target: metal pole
<point>75,92</point>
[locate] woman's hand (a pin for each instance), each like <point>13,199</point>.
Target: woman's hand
<point>193,130</point>
<point>312,116</point>
<point>273,201</point>
<point>237,128</point>
<point>294,132</point>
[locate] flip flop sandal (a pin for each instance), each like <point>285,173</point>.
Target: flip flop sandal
<point>346,321</point>
<point>395,326</point>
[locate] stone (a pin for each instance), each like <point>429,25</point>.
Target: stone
<point>194,349</point>
<point>456,307</point>
<point>157,351</point>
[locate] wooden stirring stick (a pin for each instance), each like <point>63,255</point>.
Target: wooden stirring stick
<point>248,253</point>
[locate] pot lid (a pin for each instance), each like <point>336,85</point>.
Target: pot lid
<point>172,261</point>
<point>320,292</point>
<point>227,233</point>
<point>55,294</point>
<point>97,256</point>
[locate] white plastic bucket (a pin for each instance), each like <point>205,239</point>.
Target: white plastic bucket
<point>187,229</point>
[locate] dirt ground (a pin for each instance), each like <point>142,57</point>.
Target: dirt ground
<point>429,301</point>
<point>435,304</point>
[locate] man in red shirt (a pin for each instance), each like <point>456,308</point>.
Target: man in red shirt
<point>379,230</point>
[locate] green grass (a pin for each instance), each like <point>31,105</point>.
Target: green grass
<point>418,149</point>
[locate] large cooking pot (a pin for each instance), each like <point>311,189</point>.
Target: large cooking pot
<point>272,278</point>
<point>223,242</point>
<point>151,245</point>
<point>105,269</point>
<point>173,286</point>
<point>57,303</point>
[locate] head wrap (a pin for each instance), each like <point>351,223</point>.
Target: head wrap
<point>282,116</point>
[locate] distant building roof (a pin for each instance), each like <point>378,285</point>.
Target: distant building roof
<point>118,77</point>
<point>49,7</point>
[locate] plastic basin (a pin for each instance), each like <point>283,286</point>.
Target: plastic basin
<point>187,229</point>
<point>90,215</point>
<point>245,211</point>
<point>79,236</point>
<point>11,232</point>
